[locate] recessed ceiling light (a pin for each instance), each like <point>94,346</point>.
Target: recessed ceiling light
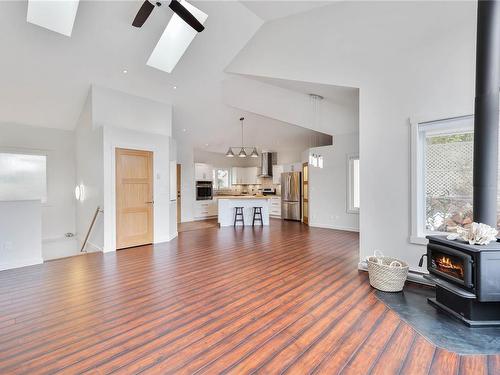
<point>175,87</point>
<point>183,130</point>
<point>125,71</point>
<point>206,144</point>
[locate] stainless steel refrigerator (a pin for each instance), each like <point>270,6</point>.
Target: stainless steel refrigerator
<point>291,196</point>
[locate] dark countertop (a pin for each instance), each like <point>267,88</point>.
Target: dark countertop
<point>461,244</point>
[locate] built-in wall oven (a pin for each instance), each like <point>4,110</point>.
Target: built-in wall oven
<point>204,190</point>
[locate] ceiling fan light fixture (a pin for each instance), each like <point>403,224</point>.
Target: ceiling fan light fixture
<point>181,9</point>
<point>242,153</point>
<point>254,153</point>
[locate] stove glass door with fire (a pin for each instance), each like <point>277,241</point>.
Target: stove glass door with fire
<point>454,266</point>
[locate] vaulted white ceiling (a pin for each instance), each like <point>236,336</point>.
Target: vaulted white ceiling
<point>45,76</point>
<point>270,10</point>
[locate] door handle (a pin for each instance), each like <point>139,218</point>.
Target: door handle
<point>151,202</point>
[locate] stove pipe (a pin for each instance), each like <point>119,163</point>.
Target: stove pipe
<point>486,112</point>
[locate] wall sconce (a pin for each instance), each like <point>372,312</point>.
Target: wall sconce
<point>316,160</point>
<point>80,192</point>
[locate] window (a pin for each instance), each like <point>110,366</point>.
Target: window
<point>23,177</point>
<point>442,161</point>
<point>221,178</point>
<point>353,183</point>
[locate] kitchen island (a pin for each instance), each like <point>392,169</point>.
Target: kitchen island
<point>227,206</point>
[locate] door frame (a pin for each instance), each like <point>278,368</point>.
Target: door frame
<point>110,190</point>
<point>116,149</point>
<point>178,187</point>
<point>305,199</point>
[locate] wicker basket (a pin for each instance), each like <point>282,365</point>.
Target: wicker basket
<point>386,274</point>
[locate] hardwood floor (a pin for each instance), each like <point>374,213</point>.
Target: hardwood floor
<point>197,225</point>
<point>283,299</point>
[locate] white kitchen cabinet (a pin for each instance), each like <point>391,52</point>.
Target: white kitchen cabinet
<point>251,175</point>
<point>277,171</point>
<point>205,209</point>
<point>275,207</point>
<point>213,208</point>
<point>236,175</point>
<point>201,209</point>
<point>203,172</point>
<point>244,175</point>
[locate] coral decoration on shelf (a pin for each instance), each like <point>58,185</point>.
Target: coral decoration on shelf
<point>476,234</point>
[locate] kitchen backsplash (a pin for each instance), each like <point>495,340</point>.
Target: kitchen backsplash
<point>265,183</point>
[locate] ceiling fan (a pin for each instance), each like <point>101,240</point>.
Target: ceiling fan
<point>147,7</point>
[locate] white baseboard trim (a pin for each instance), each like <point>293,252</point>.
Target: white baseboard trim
<point>336,227</point>
<point>165,239</point>
<point>58,239</point>
<point>92,247</point>
<point>414,276</point>
<point>203,218</point>
<point>20,263</point>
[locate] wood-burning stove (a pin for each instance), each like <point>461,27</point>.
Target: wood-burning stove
<point>467,279</point>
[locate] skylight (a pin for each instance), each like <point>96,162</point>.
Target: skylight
<point>55,15</point>
<point>175,40</point>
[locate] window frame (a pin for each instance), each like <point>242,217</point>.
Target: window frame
<point>228,169</point>
<point>350,184</point>
<point>35,152</point>
<point>418,130</point>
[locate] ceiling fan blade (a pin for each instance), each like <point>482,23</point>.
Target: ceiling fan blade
<point>143,14</point>
<point>183,13</point>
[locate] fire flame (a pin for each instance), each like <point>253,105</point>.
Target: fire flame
<point>448,266</point>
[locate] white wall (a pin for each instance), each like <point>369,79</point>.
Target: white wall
<point>408,59</point>
<point>221,160</point>
<point>118,109</point>
<point>185,157</point>
<point>289,106</point>
<point>20,234</point>
<point>289,157</point>
<point>110,120</point>
<point>173,188</point>
<point>89,174</point>
<point>58,214</point>
<point>328,186</point>
<point>137,123</point>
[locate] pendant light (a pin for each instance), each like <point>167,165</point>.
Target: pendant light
<point>242,153</point>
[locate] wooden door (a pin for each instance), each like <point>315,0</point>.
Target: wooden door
<point>134,198</point>
<point>305,192</point>
<point>179,193</point>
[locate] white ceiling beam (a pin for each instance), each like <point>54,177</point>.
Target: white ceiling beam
<point>55,15</point>
<point>175,40</point>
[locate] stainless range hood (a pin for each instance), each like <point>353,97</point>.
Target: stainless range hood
<point>266,164</point>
